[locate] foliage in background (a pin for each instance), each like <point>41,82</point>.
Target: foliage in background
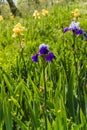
<point>21,80</point>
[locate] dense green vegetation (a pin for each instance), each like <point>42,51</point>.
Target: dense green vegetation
<point>33,95</point>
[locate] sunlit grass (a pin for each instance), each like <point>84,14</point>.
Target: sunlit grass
<point>22,82</point>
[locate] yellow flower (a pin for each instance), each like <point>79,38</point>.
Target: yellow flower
<point>76,13</point>
<point>45,12</point>
<point>19,26</point>
<point>18,29</point>
<point>76,10</point>
<point>36,14</point>
<point>1,18</point>
<point>59,111</point>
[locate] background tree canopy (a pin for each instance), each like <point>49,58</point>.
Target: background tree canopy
<point>25,7</point>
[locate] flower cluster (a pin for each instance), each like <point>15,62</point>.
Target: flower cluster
<point>18,29</point>
<point>74,27</point>
<point>45,53</point>
<point>44,12</point>
<point>76,13</point>
<point>36,14</point>
<point>1,18</point>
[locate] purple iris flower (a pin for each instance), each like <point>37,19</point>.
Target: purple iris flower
<point>35,57</point>
<point>50,57</point>
<point>43,49</point>
<point>74,26</point>
<point>45,53</point>
<point>65,29</point>
<point>80,31</point>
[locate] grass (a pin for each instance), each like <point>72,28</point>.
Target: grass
<point>21,80</point>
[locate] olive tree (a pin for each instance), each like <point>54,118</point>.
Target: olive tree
<point>13,8</point>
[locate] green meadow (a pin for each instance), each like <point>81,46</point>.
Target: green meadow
<point>42,94</point>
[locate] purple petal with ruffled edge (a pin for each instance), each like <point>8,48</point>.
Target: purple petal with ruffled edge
<point>80,31</point>
<point>50,57</point>
<point>73,29</point>
<point>74,26</point>
<point>35,57</point>
<point>43,49</point>
<point>65,29</point>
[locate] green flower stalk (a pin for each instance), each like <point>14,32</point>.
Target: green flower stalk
<point>45,96</point>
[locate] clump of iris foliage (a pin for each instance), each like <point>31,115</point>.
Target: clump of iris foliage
<point>44,89</point>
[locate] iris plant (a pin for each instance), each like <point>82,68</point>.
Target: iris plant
<point>46,56</point>
<point>45,53</point>
<point>74,27</point>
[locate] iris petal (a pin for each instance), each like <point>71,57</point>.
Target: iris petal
<point>80,31</point>
<point>50,57</point>
<point>65,29</point>
<point>43,49</point>
<point>35,57</point>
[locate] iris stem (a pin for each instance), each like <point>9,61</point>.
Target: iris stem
<point>75,63</point>
<point>73,47</point>
<point>45,96</point>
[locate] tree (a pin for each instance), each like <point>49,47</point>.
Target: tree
<point>13,8</point>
